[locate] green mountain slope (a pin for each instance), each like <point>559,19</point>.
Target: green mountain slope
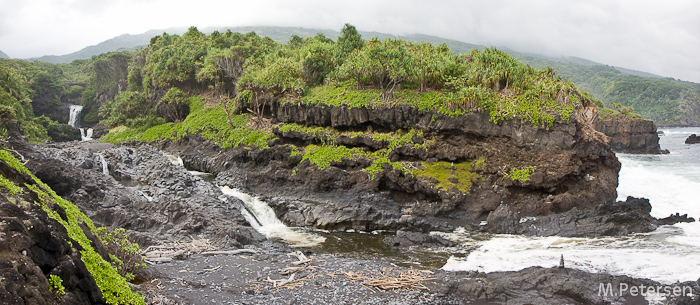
<point>122,42</point>
<point>666,101</point>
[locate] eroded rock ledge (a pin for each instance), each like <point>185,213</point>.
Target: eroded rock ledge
<point>575,171</point>
<point>631,135</point>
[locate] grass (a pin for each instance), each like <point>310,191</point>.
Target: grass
<point>211,123</point>
<point>607,113</point>
<point>322,156</point>
<point>522,175</point>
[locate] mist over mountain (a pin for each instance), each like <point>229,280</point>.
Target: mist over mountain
<point>282,35</point>
<point>3,55</point>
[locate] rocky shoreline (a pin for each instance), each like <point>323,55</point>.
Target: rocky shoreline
<point>158,202</point>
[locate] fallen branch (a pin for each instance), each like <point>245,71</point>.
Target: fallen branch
<point>178,250</point>
<point>410,279</point>
<point>280,282</point>
<point>301,257</point>
<point>232,252</point>
<point>290,270</point>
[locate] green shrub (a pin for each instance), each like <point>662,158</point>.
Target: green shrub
<point>56,283</point>
<point>322,156</point>
<point>522,175</point>
<point>10,186</point>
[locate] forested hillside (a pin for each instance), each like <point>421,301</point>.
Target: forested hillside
<point>666,101</point>
<point>242,74</point>
<point>30,88</point>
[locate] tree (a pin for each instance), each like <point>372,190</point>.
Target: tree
<point>349,40</point>
<point>429,62</point>
<point>356,66</point>
<point>173,106</point>
<point>390,63</point>
<point>13,92</point>
<point>295,42</point>
<point>318,61</point>
<point>273,76</point>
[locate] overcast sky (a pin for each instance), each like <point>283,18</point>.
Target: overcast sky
<point>660,37</point>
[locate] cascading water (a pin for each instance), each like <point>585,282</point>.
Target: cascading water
<point>263,219</point>
<point>86,134</point>
<point>176,160</point>
<point>667,255</point>
<point>74,113</point>
<point>105,167</point>
<point>260,215</point>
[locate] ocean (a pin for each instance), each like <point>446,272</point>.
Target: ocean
<point>668,254</point>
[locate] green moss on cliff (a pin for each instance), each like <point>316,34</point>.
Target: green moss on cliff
<point>322,156</point>
<point>449,176</point>
<point>115,289</point>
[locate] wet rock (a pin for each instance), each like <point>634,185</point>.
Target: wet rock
<point>145,193</point>
<point>573,164</point>
<point>537,285</point>
<point>620,218</point>
<point>692,139</point>
<point>407,239</point>
<point>673,219</point>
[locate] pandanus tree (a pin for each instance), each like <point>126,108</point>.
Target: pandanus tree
<point>429,63</point>
<point>356,66</point>
<point>387,63</point>
<point>275,75</point>
<point>390,63</point>
<point>318,61</point>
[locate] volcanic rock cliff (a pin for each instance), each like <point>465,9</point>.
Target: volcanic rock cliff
<point>35,247</point>
<point>630,135</point>
<point>462,171</point>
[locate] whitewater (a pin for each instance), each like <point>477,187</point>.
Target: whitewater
<point>668,254</point>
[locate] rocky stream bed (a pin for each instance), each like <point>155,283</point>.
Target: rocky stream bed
<point>159,202</point>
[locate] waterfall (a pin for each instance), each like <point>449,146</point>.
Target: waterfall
<point>176,160</point>
<point>263,219</point>
<point>105,168</point>
<point>74,114</point>
<point>86,135</point>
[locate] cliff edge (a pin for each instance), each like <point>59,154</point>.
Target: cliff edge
<point>629,133</point>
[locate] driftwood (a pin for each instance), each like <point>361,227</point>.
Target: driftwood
<point>178,250</point>
<point>291,270</point>
<point>302,259</point>
<point>281,282</point>
<point>232,252</point>
<point>410,279</point>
